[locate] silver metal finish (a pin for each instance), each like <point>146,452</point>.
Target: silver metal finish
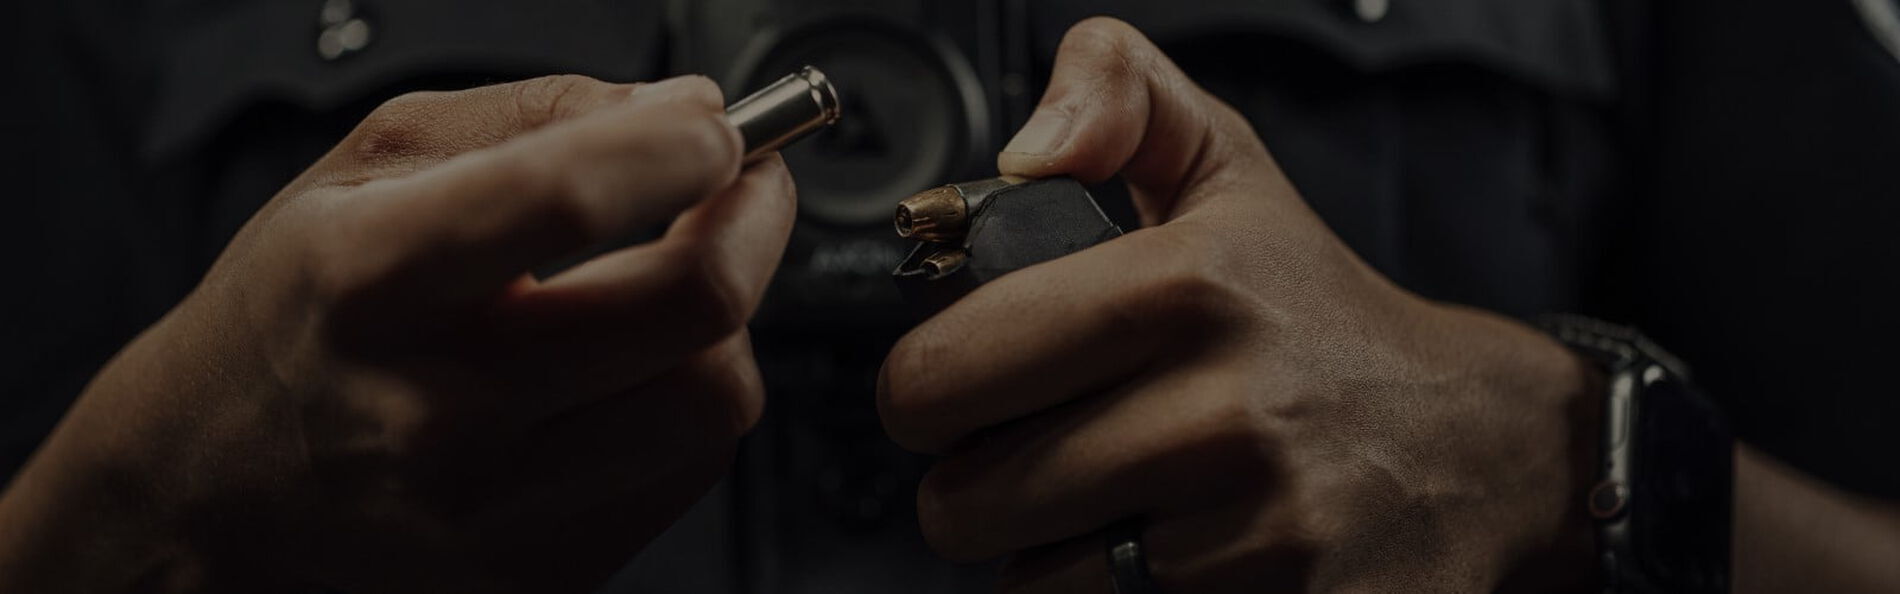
<point>1127,563</point>
<point>785,111</point>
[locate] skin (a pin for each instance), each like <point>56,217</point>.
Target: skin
<point>1794,533</point>
<point>370,393</point>
<point>1277,415</point>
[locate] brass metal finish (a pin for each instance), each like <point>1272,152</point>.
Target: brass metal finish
<point>944,262</point>
<point>942,214</point>
<point>937,214</point>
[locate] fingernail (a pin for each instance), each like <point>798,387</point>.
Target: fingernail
<point>1044,134</point>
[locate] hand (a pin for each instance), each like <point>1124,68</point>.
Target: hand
<point>370,393</point>
<point>1275,414</point>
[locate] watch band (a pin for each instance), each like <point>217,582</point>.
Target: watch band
<point>1662,500</point>
<point>1612,345</point>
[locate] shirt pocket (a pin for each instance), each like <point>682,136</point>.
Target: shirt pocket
<point>220,58</point>
<point>249,94</point>
<point>1459,146</point>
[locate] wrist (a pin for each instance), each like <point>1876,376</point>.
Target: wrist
<point>113,500</point>
<point>1660,498</point>
<point>1562,555</point>
<point>73,524</point>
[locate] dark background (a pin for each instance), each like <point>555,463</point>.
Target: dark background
<point>1723,174</point>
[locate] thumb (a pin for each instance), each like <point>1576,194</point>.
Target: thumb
<point>1117,104</point>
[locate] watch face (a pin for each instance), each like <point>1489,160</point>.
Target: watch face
<point>1680,501</point>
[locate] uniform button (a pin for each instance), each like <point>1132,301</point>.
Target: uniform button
<point>343,32</point>
<point>1371,11</point>
<point>1608,500</point>
<point>335,12</point>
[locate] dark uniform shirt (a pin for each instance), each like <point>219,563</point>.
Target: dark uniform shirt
<point>1722,174</point>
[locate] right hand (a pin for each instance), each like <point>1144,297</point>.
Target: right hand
<point>369,391</point>
<point>1272,413</point>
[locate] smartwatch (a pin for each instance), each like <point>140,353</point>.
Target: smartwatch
<point>1663,497</point>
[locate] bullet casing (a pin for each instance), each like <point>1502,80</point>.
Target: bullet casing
<point>1005,224</point>
<point>942,214</point>
<point>785,111</point>
<point>937,214</point>
<point>944,262</point>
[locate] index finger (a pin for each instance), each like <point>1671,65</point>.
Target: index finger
<point>470,226</point>
<point>625,316</point>
<point>416,130</point>
<point>1053,333</point>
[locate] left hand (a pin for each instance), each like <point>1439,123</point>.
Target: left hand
<point>1276,414</point>
<point>371,393</point>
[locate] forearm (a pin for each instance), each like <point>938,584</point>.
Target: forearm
<point>66,526</point>
<point>1796,534</point>
<point>91,512</point>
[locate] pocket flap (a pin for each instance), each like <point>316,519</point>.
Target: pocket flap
<point>226,56</point>
<point>1555,44</point>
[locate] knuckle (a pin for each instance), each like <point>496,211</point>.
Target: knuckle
<point>1191,290</point>
<point>562,194</point>
<point>547,98</point>
<point>707,294</point>
<point>707,147</point>
<point>701,92</point>
<point>743,389</point>
<point>1233,429</point>
<point>404,105</point>
<point>1108,42</point>
<point>1103,35</point>
<point>689,150</point>
<point>709,92</point>
<point>1193,294</point>
<point>671,150</point>
<point>562,215</point>
<point>397,127</point>
<point>1221,429</point>
<point>411,427</point>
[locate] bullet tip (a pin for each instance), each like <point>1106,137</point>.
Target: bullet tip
<point>937,214</point>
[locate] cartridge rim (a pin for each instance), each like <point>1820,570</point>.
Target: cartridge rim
<point>823,93</point>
